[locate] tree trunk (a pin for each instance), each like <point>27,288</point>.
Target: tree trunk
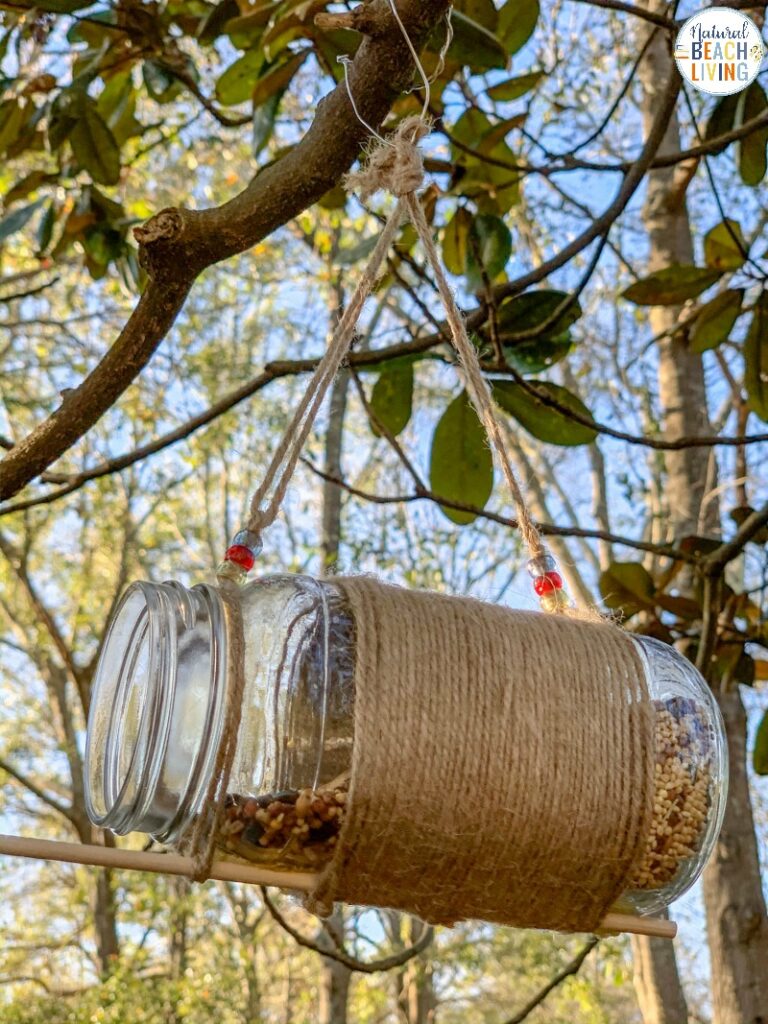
<point>659,993</point>
<point>105,922</point>
<point>416,1000</point>
<point>336,978</point>
<point>334,986</point>
<point>732,889</point>
<point>682,393</point>
<point>736,913</point>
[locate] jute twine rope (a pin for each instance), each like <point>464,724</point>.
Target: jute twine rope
<point>395,165</point>
<point>502,764</point>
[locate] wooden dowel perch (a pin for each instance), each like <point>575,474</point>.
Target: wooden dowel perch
<point>228,871</point>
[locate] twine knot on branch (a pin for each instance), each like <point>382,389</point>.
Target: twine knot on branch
<point>394,164</point>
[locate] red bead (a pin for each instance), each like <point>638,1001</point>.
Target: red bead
<point>547,583</point>
<point>240,555</point>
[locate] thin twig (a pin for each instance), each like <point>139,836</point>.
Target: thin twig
<point>388,963</point>
<point>568,971</point>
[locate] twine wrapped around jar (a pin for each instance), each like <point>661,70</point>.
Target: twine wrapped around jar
<point>503,763</point>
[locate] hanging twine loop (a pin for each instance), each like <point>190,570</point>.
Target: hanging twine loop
<point>396,165</point>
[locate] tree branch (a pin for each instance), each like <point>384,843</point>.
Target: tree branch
<point>178,244</point>
<point>351,963</point>
<point>547,529</point>
<point>568,971</point>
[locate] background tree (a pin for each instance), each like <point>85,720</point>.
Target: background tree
<point>603,228</point>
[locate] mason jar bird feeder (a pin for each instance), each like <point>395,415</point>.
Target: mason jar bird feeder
<point>427,753</point>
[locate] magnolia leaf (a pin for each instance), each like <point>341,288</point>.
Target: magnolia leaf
<point>12,118</point>
<point>264,117</point>
<point>481,11</point>
<point>722,118</point>
<point>541,419</point>
<point>45,227</point>
<point>627,586</point>
<point>213,24</point>
<point>456,241</point>
<point>392,398</point>
<point>236,84</point>
<point>489,246</point>
<point>529,311</point>
<point>753,148</point>
<point>461,466</point>
<point>517,20</point>
<point>724,246</point>
<point>514,88</point>
<point>715,319</point>
<point>740,514</point>
<point>95,147</point>
<point>671,286</point>
<point>760,753</point>
<point>474,45</point>
<point>162,85</point>
<point>756,359</point>
<point>17,219</point>
<point>277,79</point>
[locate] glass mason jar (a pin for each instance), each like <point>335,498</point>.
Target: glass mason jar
<point>157,712</point>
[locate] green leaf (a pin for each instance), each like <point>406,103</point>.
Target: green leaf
<point>162,85</point>
<point>278,77</point>
<point>474,46</point>
<point>461,467</point>
<point>489,246</point>
<point>392,398</point>
<point>540,419</point>
<point>61,6</point>
<point>740,514</point>
<point>236,84</point>
<point>671,286</point>
<point>724,246</point>
<point>627,586</point>
<point>470,129</point>
<point>67,107</point>
<point>756,359</point>
<point>27,184</point>
<point>348,256</point>
<point>456,241</point>
<point>95,147</point>
<point>514,88</point>
<point>481,11</point>
<point>264,117</point>
<point>213,24</point>
<point>722,118</point>
<point>537,354</point>
<point>715,320</point>
<point>17,219</point>
<point>12,118</point>
<point>517,20</point>
<point>760,753</point>
<point>529,310</point>
<point>45,227</point>
<point>753,148</point>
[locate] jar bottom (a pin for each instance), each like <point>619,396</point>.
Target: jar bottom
<point>294,829</point>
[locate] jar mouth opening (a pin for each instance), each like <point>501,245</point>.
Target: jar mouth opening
<point>158,688</point>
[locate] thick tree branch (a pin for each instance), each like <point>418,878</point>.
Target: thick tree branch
<point>176,245</point>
